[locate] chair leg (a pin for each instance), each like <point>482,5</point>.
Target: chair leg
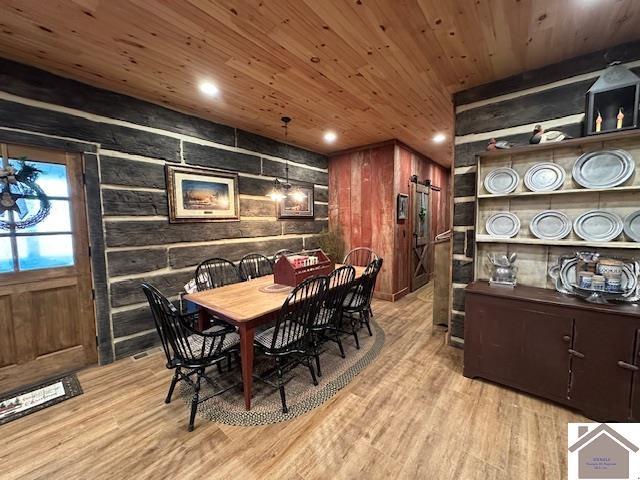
<point>313,374</point>
<point>339,342</point>
<point>194,400</point>
<point>174,380</point>
<point>366,322</point>
<point>355,334</point>
<point>316,354</point>
<point>219,366</point>
<point>283,396</point>
<point>228,362</point>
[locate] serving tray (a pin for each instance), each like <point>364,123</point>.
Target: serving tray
<point>503,225</point>
<point>598,226</point>
<point>544,177</point>
<point>632,226</point>
<point>550,225</point>
<point>603,169</point>
<point>501,180</point>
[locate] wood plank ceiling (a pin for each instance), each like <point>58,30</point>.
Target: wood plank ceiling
<point>369,69</point>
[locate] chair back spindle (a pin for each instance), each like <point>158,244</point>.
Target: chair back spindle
<point>255,265</point>
<point>216,272</point>
<point>360,257</point>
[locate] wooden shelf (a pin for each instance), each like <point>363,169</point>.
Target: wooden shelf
<point>561,243</point>
<point>628,188</point>
<point>573,142</point>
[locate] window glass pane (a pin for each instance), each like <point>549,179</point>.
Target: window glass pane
<point>6,259</point>
<point>52,179</point>
<point>58,220</point>
<point>45,251</point>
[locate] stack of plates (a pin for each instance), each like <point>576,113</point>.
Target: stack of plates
<point>598,226</point>
<point>503,225</point>
<point>632,226</point>
<point>544,177</point>
<point>603,169</point>
<point>550,225</point>
<point>501,180</point>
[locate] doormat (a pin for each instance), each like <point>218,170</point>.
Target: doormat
<point>22,402</point>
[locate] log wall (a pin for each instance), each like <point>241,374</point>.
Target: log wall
<point>126,144</point>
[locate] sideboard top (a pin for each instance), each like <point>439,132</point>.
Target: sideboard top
<point>551,297</point>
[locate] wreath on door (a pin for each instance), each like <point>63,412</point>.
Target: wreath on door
<point>16,186</point>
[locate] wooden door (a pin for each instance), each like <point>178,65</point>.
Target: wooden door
<point>47,320</point>
<point>600,386</point>
<point>420,241</point>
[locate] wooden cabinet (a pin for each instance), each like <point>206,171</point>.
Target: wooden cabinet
<point>557,347</point>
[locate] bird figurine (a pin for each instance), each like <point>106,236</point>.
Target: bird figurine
<point>500,145</point>
<point>540,136</point>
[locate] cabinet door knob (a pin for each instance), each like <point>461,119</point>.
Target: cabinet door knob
<point>628,366</point>
<point>566,338</point>
<point>575,353</point>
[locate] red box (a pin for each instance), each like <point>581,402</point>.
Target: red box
<point>294,268</point>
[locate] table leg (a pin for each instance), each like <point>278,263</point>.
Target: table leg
<point>246,357</point>
<point>203,318</point>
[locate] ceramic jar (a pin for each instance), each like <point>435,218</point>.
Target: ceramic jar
<point>610,266</point>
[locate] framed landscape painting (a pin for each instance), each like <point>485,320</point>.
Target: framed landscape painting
<point>297,206</point>
<point>202,195</point>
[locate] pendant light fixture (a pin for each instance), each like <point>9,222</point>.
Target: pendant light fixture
<point>280,190</point>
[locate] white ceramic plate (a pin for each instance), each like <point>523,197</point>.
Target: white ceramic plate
<point>503,225</point>
<point>603,169</point>
<point>544,177</point>
<point>501,180</point>
<point>550,225</point>
<point>632,226</point>
<point>598,226</point>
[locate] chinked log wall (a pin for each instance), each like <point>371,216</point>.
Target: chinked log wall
<point>553,96</point>
<point>126,144</point>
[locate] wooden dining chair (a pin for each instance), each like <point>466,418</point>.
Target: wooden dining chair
<point>216,272</point>
<point>360,257</point>
<point>287,342</point>
<point>255,265</point>
<point>357,303</point>
<point>188,351</point>
<point>328,323</point>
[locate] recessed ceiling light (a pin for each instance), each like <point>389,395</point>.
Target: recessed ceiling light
<point>439,137</point>
<point>209,88</point>
<point>330,137</point>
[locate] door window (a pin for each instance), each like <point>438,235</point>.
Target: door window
<point>47,243</point>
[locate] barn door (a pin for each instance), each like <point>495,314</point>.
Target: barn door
<point>420,243</point>
<point>47,320</point>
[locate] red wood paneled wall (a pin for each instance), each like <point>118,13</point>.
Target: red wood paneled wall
<point>363,187</point>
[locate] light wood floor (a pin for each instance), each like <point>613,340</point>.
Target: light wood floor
<point>409,415</point>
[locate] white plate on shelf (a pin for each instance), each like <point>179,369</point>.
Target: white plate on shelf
<point>632,226</point>
<point>550,225</point>
<point>598,226</point>
<point>503,225</point>
<point>544,177</point>
<point>501,180</point>
<point>603,169</point>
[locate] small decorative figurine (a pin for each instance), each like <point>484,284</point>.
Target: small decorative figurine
<point>540,136</point>
<point>500,145</point>
<point>620,117</point>
<point>503,270</point>
<point>598,122</point>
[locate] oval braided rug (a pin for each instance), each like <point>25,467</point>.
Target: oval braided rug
<point>302,395</point>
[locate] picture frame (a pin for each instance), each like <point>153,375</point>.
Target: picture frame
<point>289,207</point>
<point>197,194</point>
<point>402,206</point>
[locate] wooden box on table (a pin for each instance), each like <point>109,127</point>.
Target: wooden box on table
<point>293,269</point>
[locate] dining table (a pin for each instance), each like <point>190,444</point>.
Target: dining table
<point>247,306</point>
